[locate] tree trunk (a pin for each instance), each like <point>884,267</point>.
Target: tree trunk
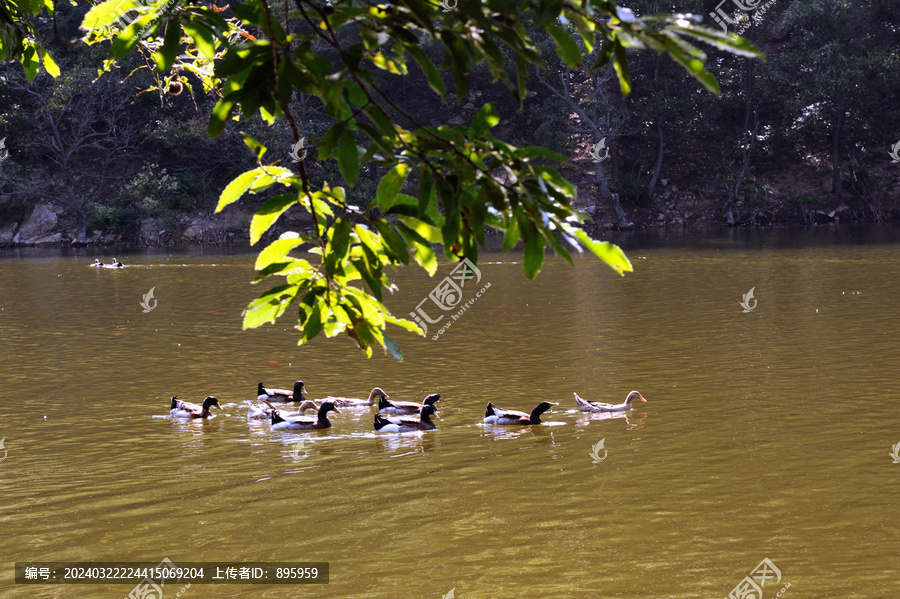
<point>659,160</point>
<point>611,198</point>
<point>835,150</point>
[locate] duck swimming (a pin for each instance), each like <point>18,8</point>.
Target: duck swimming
<point>319,421</point>
<point>348,402</point>
<point>265,412</point>
<point>97,263</point>
<point>281,394</point>
<point>406,407</point>
<point>494,415</point>
<point>598,406</point>
<point>115,264</point>
<point>406,425</point>
<point>183,409</point>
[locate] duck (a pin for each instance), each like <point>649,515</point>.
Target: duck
<point>598,406</point>
<point>494,415</point>
<point>281,394</point>
<point>406,407</point>
<point>265,412</point>
<point>184,409</point>
<point>97,263</point>
<point>406,425</point>
<point>320,421</point>
<point>375,396</point>
<point>115,264</point>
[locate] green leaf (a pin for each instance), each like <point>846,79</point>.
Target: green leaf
<point>423,254</point>
<point>348,157</point>
<point>276,251</point>
<point>620,63</point>
<point>237,188</point>
<point>511,237</point>
<point>268,213</point>
<point>608,252</point>
<point>270,305</point>
<point>49,64</point>
<point>391,346</point>
<point>390,186</point>
<point>485,119</point>
<point>566,47</point>
<point>534,255</point>
<point>30,63</point>
<point>105,14</point>
<point>203,38</point>
<point>432,75</point>
<point>165,58</point>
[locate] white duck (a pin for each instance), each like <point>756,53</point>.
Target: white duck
<point>598,406</point>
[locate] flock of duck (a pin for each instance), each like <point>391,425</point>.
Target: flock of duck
<point>392,416</point>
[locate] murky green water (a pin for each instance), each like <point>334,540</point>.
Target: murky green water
<point>766,434</point>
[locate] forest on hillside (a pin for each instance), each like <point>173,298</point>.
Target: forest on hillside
<point>804,136</point>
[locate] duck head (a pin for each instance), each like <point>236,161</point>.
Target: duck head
<point>308,405</point>
<point>298,391</point>
<point>209,402</point>
<point>430,399</point>
<point>383,402</point>
<point>489,410</point>
<point>276,417</point>
<point>377,392</point>
<point>260,389</point>
<point>326,407</point>
<point>174,402</point>
<point>427,412</point>
<point>634,396</point>
<point>540,409</point>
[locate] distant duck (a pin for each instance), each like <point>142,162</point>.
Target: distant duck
<point>184,409</point>
<point>281,394</point>
<point>408,424</point>
<point>97,263</point>
<point>597,406</point>
<point>304,422</point>
<point>265,412</point>
<point>115,264</point>
<point>494,415</point>
<point>348,402</point>
<point>406,407</point>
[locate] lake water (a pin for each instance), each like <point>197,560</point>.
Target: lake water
<point>767,434</point>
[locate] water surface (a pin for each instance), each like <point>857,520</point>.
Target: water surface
<point>766,434</point>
